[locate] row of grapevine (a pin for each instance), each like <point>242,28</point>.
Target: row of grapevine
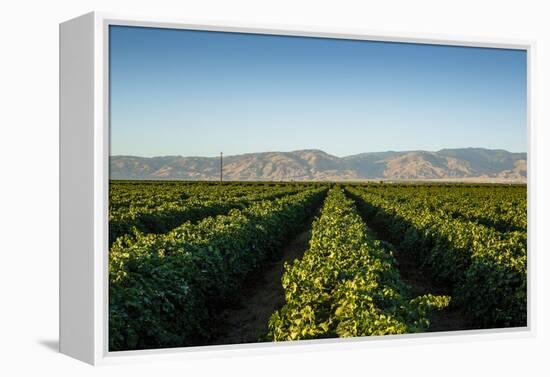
<point>134,198</point>
<point>346,284</point>
<point>166,216</point>
<point>133,195</point>
<point>165,288</point>
<point>503,208</point>
<point>487,268</point>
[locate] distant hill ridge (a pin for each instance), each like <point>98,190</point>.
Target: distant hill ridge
<point>315,165</point>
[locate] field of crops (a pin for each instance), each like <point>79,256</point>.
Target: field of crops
<point>182,254</point>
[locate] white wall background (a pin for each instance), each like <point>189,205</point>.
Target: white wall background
<point>29,186</point>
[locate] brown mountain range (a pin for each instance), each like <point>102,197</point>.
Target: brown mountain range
<point>466,164</point>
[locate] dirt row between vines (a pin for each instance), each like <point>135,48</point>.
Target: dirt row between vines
<point>449,319</point>
<point>245,321</point>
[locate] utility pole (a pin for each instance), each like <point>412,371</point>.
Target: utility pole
<point>221,167</point>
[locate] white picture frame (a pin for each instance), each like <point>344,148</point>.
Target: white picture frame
<point>84,157</point>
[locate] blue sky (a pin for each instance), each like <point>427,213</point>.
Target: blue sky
<point>197,93</point>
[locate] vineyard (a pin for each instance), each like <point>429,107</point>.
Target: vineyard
<point>191,262</point>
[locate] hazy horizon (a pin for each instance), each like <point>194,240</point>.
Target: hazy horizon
<point>196,93</point>
<point>311,149</point>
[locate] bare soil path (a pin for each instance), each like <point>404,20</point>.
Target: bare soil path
<point>449,319</point>
<point>246,320</point>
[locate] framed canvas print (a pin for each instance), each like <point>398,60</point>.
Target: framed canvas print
<point>228,187</point>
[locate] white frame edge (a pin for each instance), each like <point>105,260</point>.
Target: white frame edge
<point>84,166</point>
<point>76,179</point>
